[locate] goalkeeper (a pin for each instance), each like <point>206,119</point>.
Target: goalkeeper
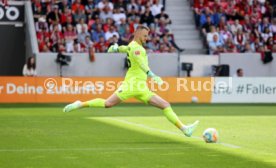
<point>135,83</point>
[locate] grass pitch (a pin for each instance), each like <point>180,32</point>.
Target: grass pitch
<point>136,136</point>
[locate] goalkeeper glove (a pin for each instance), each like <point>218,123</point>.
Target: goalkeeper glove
<point>113,48</point>
<point>155,78</point>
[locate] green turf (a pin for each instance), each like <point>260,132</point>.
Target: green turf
<point>136,136</point>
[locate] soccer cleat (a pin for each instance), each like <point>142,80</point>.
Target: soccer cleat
<point>72,106</point>
<point>190,129</point>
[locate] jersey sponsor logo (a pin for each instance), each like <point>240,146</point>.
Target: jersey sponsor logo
<point>137,53</point>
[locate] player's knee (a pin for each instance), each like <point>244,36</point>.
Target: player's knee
<point>108,104</point>
<point>166,104</point>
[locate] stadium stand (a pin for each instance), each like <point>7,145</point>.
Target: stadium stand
<point>241,26</point>
<point>75,26</point>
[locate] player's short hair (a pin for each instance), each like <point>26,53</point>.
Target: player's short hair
<point>239,70</point>
<point>141,27</point>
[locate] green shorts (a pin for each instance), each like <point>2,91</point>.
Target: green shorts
<point>134,89</point>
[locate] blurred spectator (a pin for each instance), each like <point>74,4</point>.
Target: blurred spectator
<point>118,15</point>
<point>53,16</point>
<point>76,47</point>
<point>211,34</point>
<point>217,16</point>
<point>79,15</point>
<point>38,13</point>
<point>215,47</point>
<point>248,48</point>
<point>156,8</point>
<point>225,34</point>
<point>147,17</point>
<point>136,22</point>
<point>41,38</point>
<point>274,48</point>
<point>121,4</point>
<point>96,34</point>
<point>206,28</point>
<point>132,6</point>
<point>239,73</point>
<point>56,35</point>
<point>106,13</point>
<point>106,26</point>
<point>240,40</point>
<point>65,15</point>
<point>235,27</point>
<point>122,27</point>
<point>168,44</point>
<point>132,13</point>
<point>96,23</point>
<point>105,5</point>
<point>229,46</point>
<point>110,33</point>
<point>70,36</point>
<point>222,23</point>
<point>256,45</point>
<point>81,26</point>
<point>265,24</point>
<point>87,44</point>
<point>198,8</point>
<point>162,27</point>
<point>83,34</point>
<point>69,21</point>
<point>77,6</point>
<point>126,36</point>
<point>29,68</point>
<point>141,7</point>
<point>273,26</point>
<point>102,45</point>
<point>163,48</point>
<point>266,35</point>
<point>90,8</point>
<point>153,45</point>
<point>41,24</point>
<point>164,16</point>
<point>205,16</point>
<point>247,26</point>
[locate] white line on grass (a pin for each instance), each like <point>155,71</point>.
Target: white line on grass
<point>85,149</point>
<point>164,131</point>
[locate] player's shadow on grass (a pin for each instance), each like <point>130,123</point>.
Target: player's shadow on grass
<point>155,151</point>
<point>185,111</point>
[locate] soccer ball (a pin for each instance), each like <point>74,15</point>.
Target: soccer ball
<point>194,99</point>
<point>210,135</point>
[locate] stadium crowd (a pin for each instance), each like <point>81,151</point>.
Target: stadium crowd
<point>81,25</point>
<point>237,25</point>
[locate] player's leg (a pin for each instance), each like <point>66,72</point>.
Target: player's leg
<point>98,102</point>
<point>159,102</point>
<point>121,94</point>
<point>105,103</point>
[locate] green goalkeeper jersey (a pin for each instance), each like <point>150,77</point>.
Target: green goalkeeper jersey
<point>137,62</point>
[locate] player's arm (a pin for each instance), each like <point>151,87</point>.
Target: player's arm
<point>138,59</point>
<point>118,49</point>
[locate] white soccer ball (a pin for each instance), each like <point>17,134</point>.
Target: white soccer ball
<point>210,135</point>
<point>194,99</point>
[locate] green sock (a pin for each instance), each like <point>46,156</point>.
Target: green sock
<point>172,117</point>
<point>94,103</point>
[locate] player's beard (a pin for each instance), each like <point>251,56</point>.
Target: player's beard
<point>143,43</point>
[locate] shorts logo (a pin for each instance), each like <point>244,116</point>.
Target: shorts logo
<point>137,53</point>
